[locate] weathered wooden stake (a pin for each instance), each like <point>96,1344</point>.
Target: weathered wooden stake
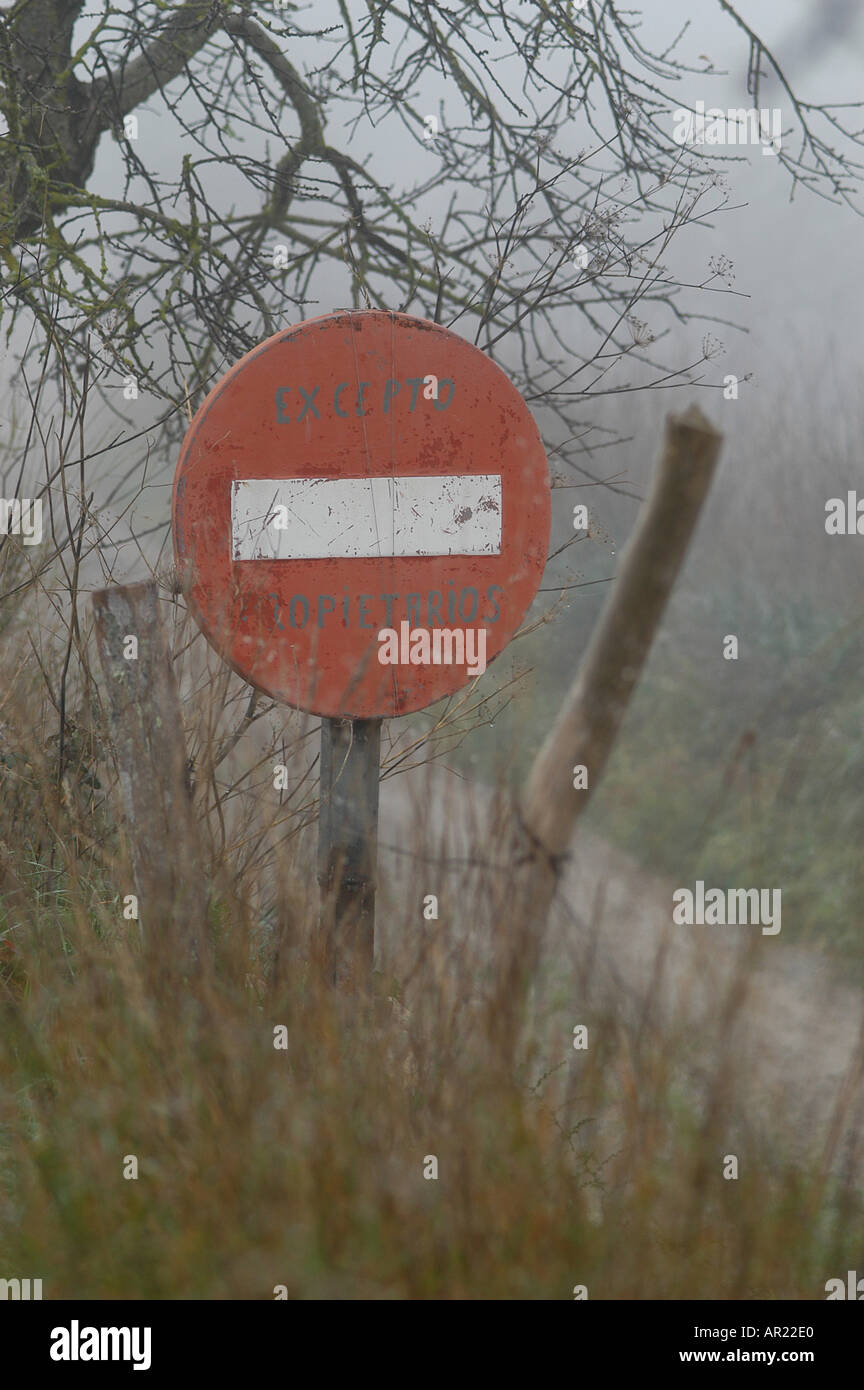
<point>143,709</point>
<point>348,846</point>
<point>590,718</point>
<point>588,722</point>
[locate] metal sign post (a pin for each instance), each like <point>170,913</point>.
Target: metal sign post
<point>348,845</point>
<point>361,521</point>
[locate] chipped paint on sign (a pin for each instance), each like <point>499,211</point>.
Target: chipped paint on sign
<point>397,507</point>
<point>350,518</point>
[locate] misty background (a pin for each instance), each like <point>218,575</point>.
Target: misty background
<point>689,788</point>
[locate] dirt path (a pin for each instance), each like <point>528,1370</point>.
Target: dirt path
<point>796,1038</point>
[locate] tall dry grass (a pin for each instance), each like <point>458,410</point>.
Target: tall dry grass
<point>263,1167</point>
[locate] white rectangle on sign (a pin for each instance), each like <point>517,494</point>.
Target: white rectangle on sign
<point>351,518</point>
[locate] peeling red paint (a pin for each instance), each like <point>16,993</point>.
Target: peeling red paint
<point>252,610</point>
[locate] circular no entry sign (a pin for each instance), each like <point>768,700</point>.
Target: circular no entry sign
<point>361,514</point>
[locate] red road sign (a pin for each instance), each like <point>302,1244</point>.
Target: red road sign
<point>361,474</point>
